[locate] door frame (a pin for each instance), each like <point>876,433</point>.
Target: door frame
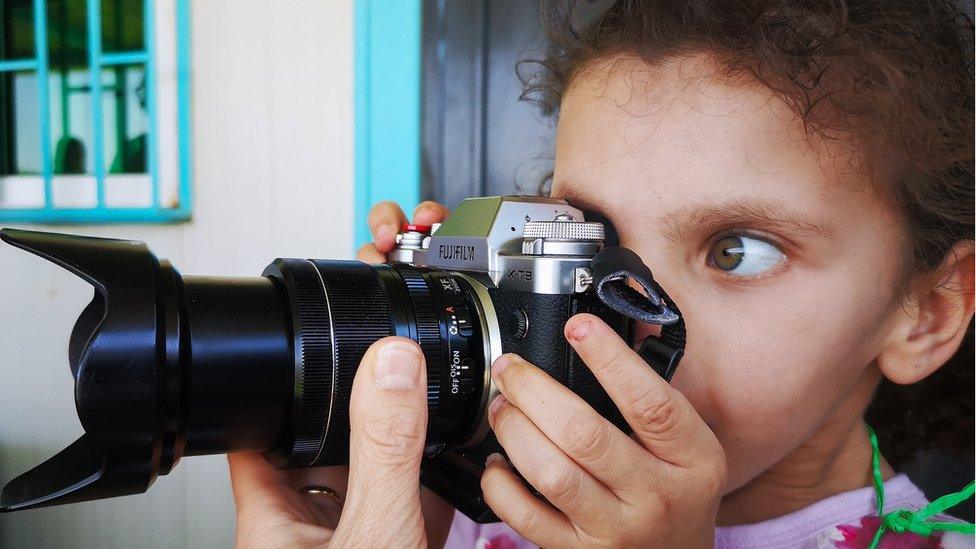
<point>387,80</point>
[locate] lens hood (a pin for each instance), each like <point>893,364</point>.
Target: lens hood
<point>119,453</point>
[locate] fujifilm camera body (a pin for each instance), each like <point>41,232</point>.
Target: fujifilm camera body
<point>167,365</point>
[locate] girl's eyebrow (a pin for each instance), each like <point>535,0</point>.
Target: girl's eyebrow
<point>739,213</point>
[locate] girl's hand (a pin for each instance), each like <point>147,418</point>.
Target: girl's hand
<point>382,501</point>
<point>658,487</point>
<point>385,220</point>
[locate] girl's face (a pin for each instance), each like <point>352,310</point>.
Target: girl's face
<point>784,262</point>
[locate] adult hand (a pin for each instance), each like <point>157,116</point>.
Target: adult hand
<point>382,507</point>
<point>272,512</point>
<point>658,487</point>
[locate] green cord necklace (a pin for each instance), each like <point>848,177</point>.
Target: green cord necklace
<point>903,520</point>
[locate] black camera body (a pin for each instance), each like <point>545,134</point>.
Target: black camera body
<point>455,473</point>
<point>169,365</point>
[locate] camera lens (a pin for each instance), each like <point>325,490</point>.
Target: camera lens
<point>338,309</point>
<point>167,365</point>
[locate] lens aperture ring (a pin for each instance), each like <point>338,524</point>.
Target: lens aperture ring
<point>428,328</point>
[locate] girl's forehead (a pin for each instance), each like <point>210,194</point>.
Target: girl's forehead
<point>627,110</point>
<point>684,128</point>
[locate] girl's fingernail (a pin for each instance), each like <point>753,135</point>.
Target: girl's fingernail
<point>579,329</point>
<point>499,365</point>
<point>495,404</point>
<point>397,367</point>
<point>494,458</point>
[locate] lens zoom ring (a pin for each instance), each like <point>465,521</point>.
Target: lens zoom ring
<point>428,329</point>
<point>313,387</point>
<point>360,316</point>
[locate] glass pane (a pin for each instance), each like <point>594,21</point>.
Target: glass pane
<point>67,34</point>
<point>122,25</point>
<point>72,144</point>
<point>17,18</point>
<point>72,131</point>
<point>20,134</point>
<point>125,118</point>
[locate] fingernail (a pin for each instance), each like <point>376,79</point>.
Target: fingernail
<point>397,367</point>
<point>495,404</point>
<point>500,364</point>
<point>494,458</point>
<point>579,330</point>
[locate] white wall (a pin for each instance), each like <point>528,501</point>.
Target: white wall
<point>272,177</point>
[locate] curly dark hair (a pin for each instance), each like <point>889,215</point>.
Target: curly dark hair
<point>891,79</point>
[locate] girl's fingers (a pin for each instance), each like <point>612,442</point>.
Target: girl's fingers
<point>430,212</point>
<point>664,422</point>
<point>604,451</point>
<point>586,502</point>
<point>385,220</point>
<point>369,253</point>
<point>388,426</point>
<point>532,518</point>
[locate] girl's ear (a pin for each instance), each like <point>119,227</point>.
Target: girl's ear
<point>935,321</point>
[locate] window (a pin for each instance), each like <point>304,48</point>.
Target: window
<point>94,111</point>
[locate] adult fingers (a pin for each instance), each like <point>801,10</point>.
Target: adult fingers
<point>267,496</point>
<point>385,220</point>
<point>663,421</point>
<point>388,426</point>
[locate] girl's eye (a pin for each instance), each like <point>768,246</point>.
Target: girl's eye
<point>744,256</point>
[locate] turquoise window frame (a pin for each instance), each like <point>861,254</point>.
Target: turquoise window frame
<point>102,213</point>
<point>387,107</point>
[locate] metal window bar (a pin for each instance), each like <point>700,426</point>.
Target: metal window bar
<point>97,59</point>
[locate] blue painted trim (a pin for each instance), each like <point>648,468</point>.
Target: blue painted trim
<point>95,81</point>
<point>152,154</point>
<point>387,106</point>
<point>94,215</point>
<point>14,65</point>
<point>132,57</point>
<point>44,98</point>
<point>183,105</point>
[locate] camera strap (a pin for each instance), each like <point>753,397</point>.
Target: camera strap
<point>612,268</point>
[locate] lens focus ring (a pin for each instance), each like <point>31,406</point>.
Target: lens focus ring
<point>314,363</point>
<point>360,311</point>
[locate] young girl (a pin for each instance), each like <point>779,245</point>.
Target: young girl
<point>799,177</point>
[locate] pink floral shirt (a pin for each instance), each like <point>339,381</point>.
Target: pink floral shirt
<point>844,521</point>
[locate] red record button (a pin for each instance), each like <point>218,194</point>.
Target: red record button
<point>409,227</point>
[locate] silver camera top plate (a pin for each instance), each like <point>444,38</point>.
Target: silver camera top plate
<point>487,235</point>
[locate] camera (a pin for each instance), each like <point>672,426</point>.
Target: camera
<point>167,365</point>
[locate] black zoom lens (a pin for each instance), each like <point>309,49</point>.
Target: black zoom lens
<point>338,309</point>
<point>167,365</point>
